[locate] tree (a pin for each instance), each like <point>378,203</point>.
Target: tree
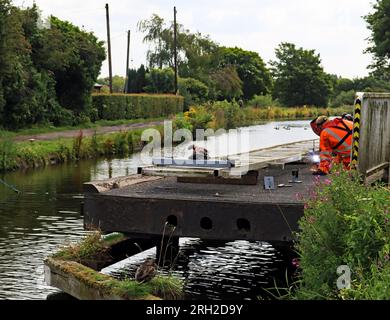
<point>162,39</point>
<point>75,57</point>
<point>46,73</point>
<point>160,81</point>
<point>26,93</point>
<point>227,83</point>
<point>194,51</point>
<point>132,81</point>
<point>299,77</point>
<point>344,98</point>
<point>251,69</point>
<point>343,84</point>
<point>379,25</point>
<point>193,91</point>
<point>344,89</point>
<point>140,79</point>
<point>118,83</point>
<point>137,80</point>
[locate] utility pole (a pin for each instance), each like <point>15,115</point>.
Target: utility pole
<point>109,46</point>
<point>127,63</point>
<point>175,46</point>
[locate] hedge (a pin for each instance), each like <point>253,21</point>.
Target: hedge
<point>135,106</point>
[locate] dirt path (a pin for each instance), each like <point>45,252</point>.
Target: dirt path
<point>87,132</point>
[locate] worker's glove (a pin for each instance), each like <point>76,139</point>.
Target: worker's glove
<point>319,173</point>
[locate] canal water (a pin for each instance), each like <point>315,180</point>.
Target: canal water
<point>46,214</point>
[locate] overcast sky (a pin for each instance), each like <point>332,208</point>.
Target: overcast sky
<point>334,28</point>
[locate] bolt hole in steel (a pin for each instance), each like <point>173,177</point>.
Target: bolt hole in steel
<point>172,220</point>
<point>243,225</point>
<point>206,223</point>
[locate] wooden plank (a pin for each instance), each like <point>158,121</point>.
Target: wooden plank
<point>377,173</point>
<point>374,140</point>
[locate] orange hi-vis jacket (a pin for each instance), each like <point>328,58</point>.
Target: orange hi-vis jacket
<point>335,144</point>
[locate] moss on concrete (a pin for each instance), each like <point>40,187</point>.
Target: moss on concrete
<point>72,259</point>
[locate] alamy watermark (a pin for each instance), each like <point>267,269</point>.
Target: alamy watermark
<point>223,144</point>
<point>344,280</point>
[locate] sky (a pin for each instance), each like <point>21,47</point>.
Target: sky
<point>334,28</point>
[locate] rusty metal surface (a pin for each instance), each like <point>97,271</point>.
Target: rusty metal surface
<point>205,211</point>
<point>168,188</point>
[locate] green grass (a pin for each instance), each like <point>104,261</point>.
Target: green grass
<point>167,287</point>
<point>90,247</point>
<point>345,223</point>
<point>90,125</point>
<point>28,154</point>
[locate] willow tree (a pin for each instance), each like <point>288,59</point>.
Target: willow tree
<point>194,49</point>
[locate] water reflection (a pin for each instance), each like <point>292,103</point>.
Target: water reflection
<point>217,270</point>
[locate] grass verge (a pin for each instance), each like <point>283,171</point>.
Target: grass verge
<point>26,154</point>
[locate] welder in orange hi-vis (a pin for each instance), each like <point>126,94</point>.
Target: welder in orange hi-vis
<point>335,142</point>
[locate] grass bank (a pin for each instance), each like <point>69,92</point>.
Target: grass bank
<point>229,115</point>
<point>344,243</point>
<point>34,154</point>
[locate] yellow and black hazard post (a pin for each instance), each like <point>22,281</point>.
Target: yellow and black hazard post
<point>356,133</point>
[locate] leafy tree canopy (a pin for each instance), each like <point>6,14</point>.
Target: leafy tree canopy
<point>46,72</point>
<point>194,50</point>
<point>250,67</point>
<point>379,25</point>
<point>299,77</point>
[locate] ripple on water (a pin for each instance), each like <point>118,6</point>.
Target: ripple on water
<point>233,270</point>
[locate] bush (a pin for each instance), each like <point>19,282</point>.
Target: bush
<point>135,106</point>
<point>345,223</point>
<point>229,115</point>
<point>263,101</point>
<point>195,118</point>
<point>193,91</point>
<point>62,117</point>
<point>344,98</point>
<point>160,81</point>
<point>220,114</point>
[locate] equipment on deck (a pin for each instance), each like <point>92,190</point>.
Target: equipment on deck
<point>235,166</point>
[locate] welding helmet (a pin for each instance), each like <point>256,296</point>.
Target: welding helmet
<point>316,124</point>
<point>347,116</point>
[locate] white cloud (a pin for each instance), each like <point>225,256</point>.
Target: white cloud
<point>334,28</point>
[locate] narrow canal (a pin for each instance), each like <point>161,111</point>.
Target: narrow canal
<point>34,223</point>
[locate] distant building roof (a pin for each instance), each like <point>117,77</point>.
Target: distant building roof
<point>97,85</point>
